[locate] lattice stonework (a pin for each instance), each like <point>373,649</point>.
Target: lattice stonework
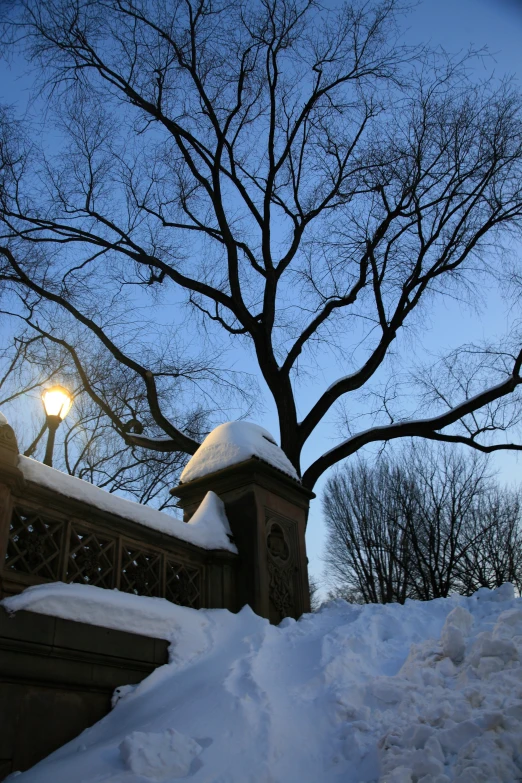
<point>183,584</point>
<point>92,558</point>
<point>140,571</point>
<point>73,550</point>
<point>35,543</point>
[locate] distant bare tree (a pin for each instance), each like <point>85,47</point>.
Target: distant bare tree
<point>367,549</point>
<point>422,525</point>
<point>350,596</point>
<point>444,488</point>
<point>280,176</point>
<point>92,450</point>
<point>313,586</point>
<point>495,552</point>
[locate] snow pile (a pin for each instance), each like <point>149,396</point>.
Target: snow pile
<point>421,693</point>
<point>208,531</point>
<point>159,756</point>
<point>234,442</point>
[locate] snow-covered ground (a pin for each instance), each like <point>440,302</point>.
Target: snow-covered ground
<point>421,693</point>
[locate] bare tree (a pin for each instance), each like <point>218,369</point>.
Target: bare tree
<point>444,488</point>
<point>292,175</point>
<point>495,552</point>
<point>368,551</point>
<point>313,586</point>
<point>92,450</point>
<point>421,525</point>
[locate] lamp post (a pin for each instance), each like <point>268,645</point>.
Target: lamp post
<point>57,403</point>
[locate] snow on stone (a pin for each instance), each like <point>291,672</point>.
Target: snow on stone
<point>421,693</point>
<point>3,419</point>
<point>154,617</point>
<point>234,442</point>
<point>212,533</point>
<point>210,511</point>
<point>94,605</point>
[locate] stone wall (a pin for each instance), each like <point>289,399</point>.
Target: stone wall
<point>57,678</point>
<point>46,536</point>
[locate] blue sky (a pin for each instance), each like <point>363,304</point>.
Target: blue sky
<point>454,25</point>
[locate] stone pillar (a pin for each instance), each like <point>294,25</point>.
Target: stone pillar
<point>10,478</point>
<point>267,511</point>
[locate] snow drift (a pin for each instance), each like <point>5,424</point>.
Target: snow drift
<point>421,693</point>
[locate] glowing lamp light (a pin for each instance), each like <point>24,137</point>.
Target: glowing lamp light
<point>57,402</point>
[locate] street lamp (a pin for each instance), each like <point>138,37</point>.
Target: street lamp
<point>57,403</point>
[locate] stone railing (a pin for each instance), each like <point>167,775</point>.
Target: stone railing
<point>47,536</point>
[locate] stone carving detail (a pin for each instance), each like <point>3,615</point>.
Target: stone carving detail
<point>183,584</point>
<point>34,545</point>
<point>141,571</point>
<point>8,447</point>
<point>91,558</point>
<point>282,556</point>
<point>8,438</point>
<point>51,549</point>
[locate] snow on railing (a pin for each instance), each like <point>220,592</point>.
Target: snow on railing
<point>58,528</point>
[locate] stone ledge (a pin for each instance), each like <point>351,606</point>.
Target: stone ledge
<point>65,670</point>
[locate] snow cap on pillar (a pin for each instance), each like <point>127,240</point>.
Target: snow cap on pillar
<point>232,443</point>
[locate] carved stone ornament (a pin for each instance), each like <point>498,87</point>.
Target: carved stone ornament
<point>281,562</point>
<point>90,562</point>
<point>8,444</point>
<point>183,584</point>
<point>34,544</point>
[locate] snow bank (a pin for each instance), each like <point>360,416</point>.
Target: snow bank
<point>234,442</point>
<point>208,531</point>
<point>422,693</point>
<point>161,756</point>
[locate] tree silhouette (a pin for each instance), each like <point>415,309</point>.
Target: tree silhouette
<point>291,178</point>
